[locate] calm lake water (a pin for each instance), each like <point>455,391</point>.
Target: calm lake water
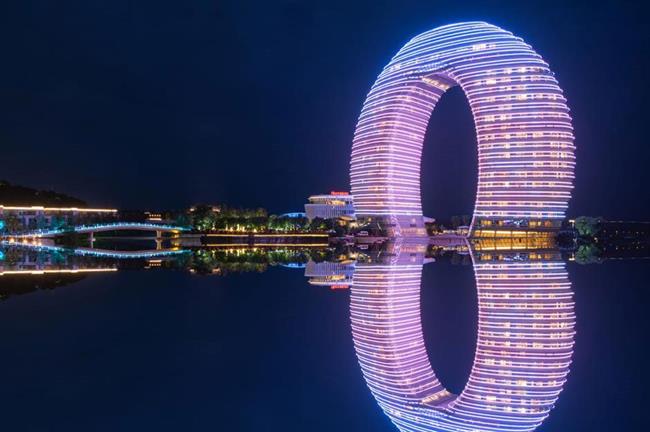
<point>169,350</point>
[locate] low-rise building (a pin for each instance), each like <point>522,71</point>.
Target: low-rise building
<point>331,274</point>
<point>330,206</point>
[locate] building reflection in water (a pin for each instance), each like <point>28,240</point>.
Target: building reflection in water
<point>524,347</point>
<point>525,332</point>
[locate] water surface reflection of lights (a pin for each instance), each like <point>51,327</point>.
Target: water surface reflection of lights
<point>524,347</point>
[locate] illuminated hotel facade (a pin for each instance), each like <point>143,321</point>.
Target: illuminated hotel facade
<point>524,346</point>
<point>524,133</point>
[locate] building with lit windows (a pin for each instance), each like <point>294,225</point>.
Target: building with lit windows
<point>525,138</point>
<point>332,206</point>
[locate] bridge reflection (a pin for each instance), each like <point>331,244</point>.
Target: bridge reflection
<point>96,252</point>
<point>524,347</point>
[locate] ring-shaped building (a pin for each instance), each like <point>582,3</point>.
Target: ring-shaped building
<point>524,134</point>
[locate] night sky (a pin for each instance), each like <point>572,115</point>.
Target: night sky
<point>163,104</point>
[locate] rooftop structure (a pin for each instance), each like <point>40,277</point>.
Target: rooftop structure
<point>55,209</point>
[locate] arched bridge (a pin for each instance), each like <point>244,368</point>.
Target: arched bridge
<point>113,226</point>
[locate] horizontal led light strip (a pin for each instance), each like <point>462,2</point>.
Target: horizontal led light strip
<point>58,209</point>
<point>525,138</point>
<point>524,347</point>
<point>253,245</point>
<point>267,235</point>
<point>55,271</point>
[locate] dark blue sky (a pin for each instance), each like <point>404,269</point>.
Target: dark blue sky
<point>165,104</point>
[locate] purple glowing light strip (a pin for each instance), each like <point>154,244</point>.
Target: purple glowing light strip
<point>525,138</point>
<point>524,347</point>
